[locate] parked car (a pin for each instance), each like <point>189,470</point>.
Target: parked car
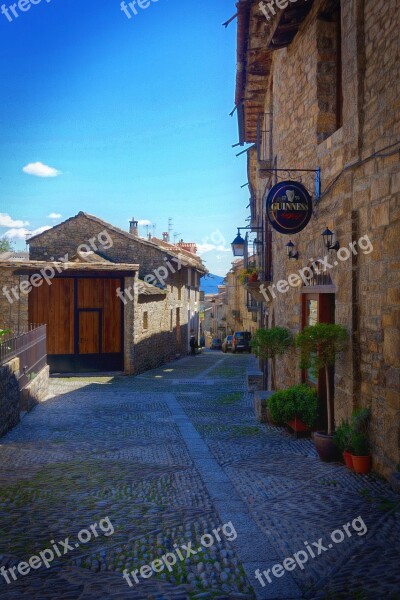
<point>216,344</point>
<point>227,343</point>
<point>241,341</point>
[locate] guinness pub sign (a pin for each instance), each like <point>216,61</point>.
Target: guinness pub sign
<point>289,207</point>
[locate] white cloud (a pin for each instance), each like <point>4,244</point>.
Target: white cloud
<point>7,221</point>
<point>204,248</point>
<point>54,215</point>
<point>144,222</point>
<point>38,169</point>
<point>21,233</point>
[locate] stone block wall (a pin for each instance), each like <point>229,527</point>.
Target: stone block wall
<point>364,201</point>
<point>13,311</point>
<point>9,396</point>
<point>37,391</point>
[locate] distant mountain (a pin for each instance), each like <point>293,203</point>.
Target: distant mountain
<point>210,283</point>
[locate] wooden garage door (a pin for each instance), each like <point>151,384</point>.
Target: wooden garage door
<point>93,326</point>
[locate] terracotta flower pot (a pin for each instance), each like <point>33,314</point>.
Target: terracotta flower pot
<point>253,278</point>
<point>348,460</point>
<point>361,464</point>
<point>325,446</point>
<point>297,425</point>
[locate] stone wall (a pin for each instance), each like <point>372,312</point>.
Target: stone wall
<point>365,200</point>
<point>9,395</point>
<point>13,311</point>
<point>37,391</point>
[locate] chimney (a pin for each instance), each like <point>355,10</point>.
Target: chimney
<point>133,227</point>
<point>188,246</point>
<point>165,236</point>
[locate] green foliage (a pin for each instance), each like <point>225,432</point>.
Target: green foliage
<point>4,332</point>
<point>299,400</point>
<point>342,437</point>
<point>360,421</point>
<point>6,245</point>
<point>230,399</point>
<point>246,274</point>
<point>319,345</point>
<point>268,343</point>
<point>359,444</point>
<point>243,430</point>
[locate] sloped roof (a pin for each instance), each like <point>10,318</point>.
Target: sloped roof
<point>29,266</point>
<point>13,256</point>
<point>189,259</point>
<point>257,38</point>
<point>147,289</point>
<point>90,257</point>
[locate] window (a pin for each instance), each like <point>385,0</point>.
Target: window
<point>145,320</point>
<point>329,70</point>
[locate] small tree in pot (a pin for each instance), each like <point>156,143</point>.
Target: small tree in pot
<point>360,449</point>
<point>269,343</point>
<point>319,344</point>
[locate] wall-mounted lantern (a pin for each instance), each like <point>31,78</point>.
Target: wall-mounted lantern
<point>290,251</point>
<point>328,240</point>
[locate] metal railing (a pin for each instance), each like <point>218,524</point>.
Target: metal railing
<point>30,348</point>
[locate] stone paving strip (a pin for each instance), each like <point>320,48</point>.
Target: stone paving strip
<point>169,456</point>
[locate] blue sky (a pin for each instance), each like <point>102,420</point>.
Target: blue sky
<point>132,113</point>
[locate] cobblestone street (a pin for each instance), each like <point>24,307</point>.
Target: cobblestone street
<point>168,457</point>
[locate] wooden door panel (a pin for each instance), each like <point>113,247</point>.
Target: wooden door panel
<point>89,332</point>
<point>54,305</point>
<point>112,312</point>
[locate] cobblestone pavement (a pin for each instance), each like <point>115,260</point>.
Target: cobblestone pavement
<point>167,457</point>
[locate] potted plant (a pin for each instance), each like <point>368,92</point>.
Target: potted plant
<point>361,456</point>
<point>275,407</point>
<point>269,343</point>
<point>319,344</point>
<point>342,439</point>
<point>297,407</point>
<point>249,274</point>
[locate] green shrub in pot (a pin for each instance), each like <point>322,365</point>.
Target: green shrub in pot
<point>360,444</point>
<point>342,437</point>
<point>298,401</point>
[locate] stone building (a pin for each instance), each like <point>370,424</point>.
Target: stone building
<point>318,88</point>
<point>111,300</point>
<point>243,310</point>
<point>216,310</point>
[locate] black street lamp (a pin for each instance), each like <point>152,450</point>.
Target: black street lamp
<point>328,240</point>
<point>239,244</point>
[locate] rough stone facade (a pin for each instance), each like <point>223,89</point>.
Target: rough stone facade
<point>37,391</point>
<point>9,395</point>
<point>13,312</point>
<point>301,92</point>
<point>240,318</point>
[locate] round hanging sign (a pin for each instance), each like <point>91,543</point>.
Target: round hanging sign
<point>289,207</point>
